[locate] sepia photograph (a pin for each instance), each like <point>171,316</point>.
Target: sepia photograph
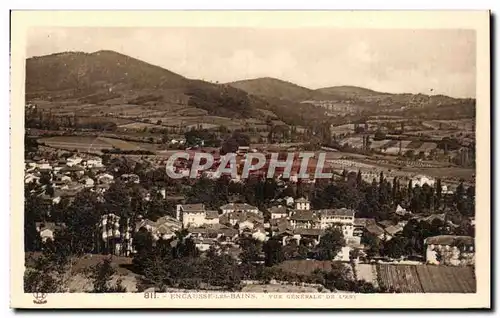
<point>249,164</point>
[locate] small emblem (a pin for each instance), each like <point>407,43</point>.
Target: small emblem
<point>40,298</point>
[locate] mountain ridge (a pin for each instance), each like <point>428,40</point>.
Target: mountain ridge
<point>94,78</point>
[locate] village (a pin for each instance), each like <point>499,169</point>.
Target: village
<point>286,219</point>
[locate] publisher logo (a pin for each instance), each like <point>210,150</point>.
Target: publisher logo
<point>40,298</point>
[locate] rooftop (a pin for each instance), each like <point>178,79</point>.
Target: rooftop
<point>303,215</point>
<point>451,240</point>
<point>193,207</point>
<point>336,212</point>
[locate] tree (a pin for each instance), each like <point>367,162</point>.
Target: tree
<point>50,271</point>
<point>439,192</point>
<point>330,244</point>
<point>379,135</point>
<point>222,270</point>
<point>117,200</point>
<point>102,275</point>
<point>273,250</point>
<point>83,216</point>
<point>373,243</point>
<point>250,250</point>
<point>395,247</point>
<point>232,143</point>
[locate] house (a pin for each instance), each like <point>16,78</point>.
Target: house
<point>376,231</point>
<point>203,244</point>
<point>402,212</point>
<point>366,225</point>
<point>130,178</point>
<point>393,230</point>
<point>72,161</point>
<point>227,234</point>
<point>169,222</point>
<point>191,214</point>
<point>450,250</point>
<point>87,182</point>
<point>313,235</point>
<point>76,169</point>
<point>360,225</point>
<point>104,178</point>
<point>259,233</point>
<point>29,177</point>
<point>280,225</point>
<point>302,204</point>
<point>212,217</point>
<point>385,223</point>
<point>343,218</point>
<point>47,229</point>
<point>278,212</point>
<point>304,219</point>
<point>45,166</point>
<point>241,218</point>
<point>420,180</point>
<point>94,163</point>
<point>289,201</point>
<point>242,207</point>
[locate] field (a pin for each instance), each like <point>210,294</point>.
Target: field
<point>76,142</point>
<point>278,288</point>
<point>367,273</point>
<point>427,278</point>
<point>401,277</point>
<point>88,144</point>
<point>435,279</point>
<point>305,267</point>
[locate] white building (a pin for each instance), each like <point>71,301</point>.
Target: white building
<point>343,218</point>
<point>420,180</point>
<point>238,207</point>
<point>195,215</point>
<point>302,204</point>
<point>191,215</point>
<point>72,161</point>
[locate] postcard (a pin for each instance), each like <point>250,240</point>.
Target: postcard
<point>250,159</point>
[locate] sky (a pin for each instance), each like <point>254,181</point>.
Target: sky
<point>395,61</point>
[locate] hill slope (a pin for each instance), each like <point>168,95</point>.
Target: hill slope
<point>102,69</point>
<point>110,78</point>
<point>349,91</point>
<point>276,88</point>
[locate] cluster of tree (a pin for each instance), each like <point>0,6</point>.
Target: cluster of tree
<point>257,191</point>
<point>177,263</point>
<point>220,100</point>
<point>449,144</point>
<point>82,216</point>
<point>236,140</point>
<point>380,198</point>
<point>195,137</point>
<point>40,119</point>
<point>51,270</point>
<point>411,241</point>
